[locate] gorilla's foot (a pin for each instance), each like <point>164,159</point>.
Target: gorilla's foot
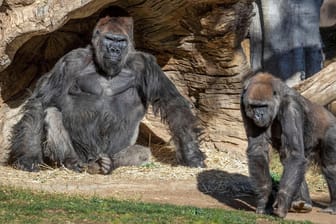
<point>27,164</point>
<point>76,166</point>
<point>280,212</point>
<point>261,211</point>
<point>301,207</point>
<point>106,164</point>
<point>329,209</point>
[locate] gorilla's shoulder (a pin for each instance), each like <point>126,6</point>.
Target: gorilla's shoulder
<point>77,59</point>
<point>138,60</point>
<point>140,55</point>
<point>79,54</point>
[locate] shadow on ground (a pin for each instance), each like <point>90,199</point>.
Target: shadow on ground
<point>232,189</point>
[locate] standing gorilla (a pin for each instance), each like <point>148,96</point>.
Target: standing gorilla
<point>299,130</point>
<point>86,111</point>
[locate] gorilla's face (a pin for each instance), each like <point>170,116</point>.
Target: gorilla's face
<point>111,43</point>
<point>260,112</point>
<point>261,101</point>
<point>114,47</point>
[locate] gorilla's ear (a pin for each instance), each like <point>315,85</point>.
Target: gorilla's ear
<point>246,85</point>
<point>244,89</point>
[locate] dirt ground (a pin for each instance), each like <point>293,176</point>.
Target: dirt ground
<point>226,188</point>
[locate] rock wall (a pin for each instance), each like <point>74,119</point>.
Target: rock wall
<point>197,43</point>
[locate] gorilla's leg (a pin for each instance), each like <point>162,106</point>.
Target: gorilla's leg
<point>328,163</point>
<point>135,155</point>
<point>290,183</point>
<point>25,146</point>
<point>57,148</point>
<point>302,202</point>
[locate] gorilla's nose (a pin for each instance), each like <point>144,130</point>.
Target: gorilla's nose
<point>114,50</point>
<point>258,116</point>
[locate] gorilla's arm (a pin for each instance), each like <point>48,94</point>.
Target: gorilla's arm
<point>25,146</point>
<point>175,110</point>
<point>292,153</point>
<point>258,161</point>
<point>52,85</point>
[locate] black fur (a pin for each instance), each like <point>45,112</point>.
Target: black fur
<point>88,108</point>
<point>299,130</point>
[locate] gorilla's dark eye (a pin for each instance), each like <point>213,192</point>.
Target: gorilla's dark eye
<point>115,41</point>
<point>121,43</point>
<point>258,105</point>
<point>274,93</point>
<point>115,37</point>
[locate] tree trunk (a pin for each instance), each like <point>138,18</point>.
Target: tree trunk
<point>285,38</point>
<point>320,88</point>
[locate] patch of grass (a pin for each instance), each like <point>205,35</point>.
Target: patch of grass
<point>276,177</point>
<point>25,206</point>
<point>314,178</point>
<point>275,165</point>
<point>150,165</point>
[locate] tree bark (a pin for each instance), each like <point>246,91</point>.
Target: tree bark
<point>320,88</point>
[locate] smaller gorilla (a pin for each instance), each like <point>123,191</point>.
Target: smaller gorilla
<point>299,130</point>
<point>85,113</point>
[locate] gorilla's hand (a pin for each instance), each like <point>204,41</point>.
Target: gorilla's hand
<point>103,165</point>
<point>191,156</point>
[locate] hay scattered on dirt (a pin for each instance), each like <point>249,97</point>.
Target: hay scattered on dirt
<point>225,173</point>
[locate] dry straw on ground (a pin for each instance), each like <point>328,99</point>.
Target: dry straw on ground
<point>226,173</point>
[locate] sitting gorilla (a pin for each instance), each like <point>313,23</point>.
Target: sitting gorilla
<point>299,130</point>
<point>85,113</point>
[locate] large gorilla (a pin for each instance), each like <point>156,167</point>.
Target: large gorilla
<point>85,113</point>
<point>299,130</point>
